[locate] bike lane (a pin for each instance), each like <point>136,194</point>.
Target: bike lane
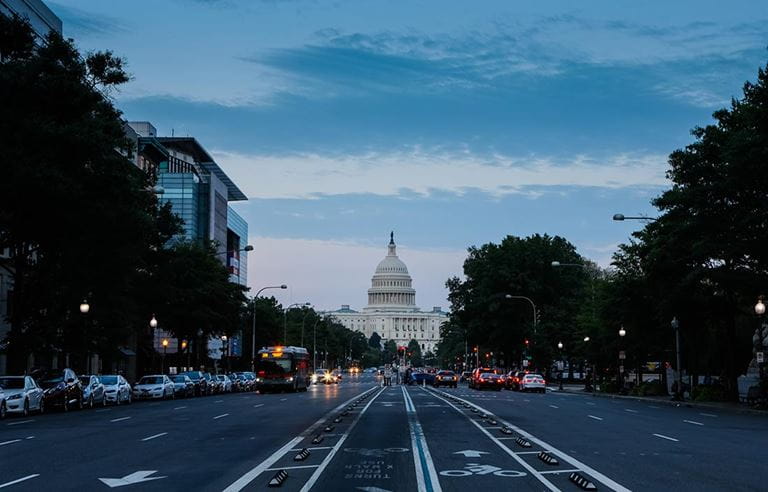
<point>377,454</point>
<point>463,455</point>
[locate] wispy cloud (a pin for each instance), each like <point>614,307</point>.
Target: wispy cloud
<point>80,23</point>
<point>422,172</point>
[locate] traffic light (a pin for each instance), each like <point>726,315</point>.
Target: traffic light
<point>527,342</point>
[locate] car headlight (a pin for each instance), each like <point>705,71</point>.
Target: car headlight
<point>258,380</point>
<point>290,379</point>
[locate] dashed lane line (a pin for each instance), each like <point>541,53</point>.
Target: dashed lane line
<point>120,419</point>
<point>630,410</point>
<point>18,480</point>
<point>553,406</point>
<point>711,415</point>
<point>180,408</point>
<point>259,405</point>
<point>21,422</point>
<point>692,422</point>
<point>582,466</point>
<point>662,436</point>
<point>220,416</point>
<point>9,442</point>
<point>593,417</point>
<point>155,436</point>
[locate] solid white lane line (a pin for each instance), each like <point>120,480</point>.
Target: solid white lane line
<point>8,484</point>
<point>708,415</point>
<point>254,472</point>
<point>220,416</point>
<point>584,467</point>
<point>426,475</point>
<point>180,408</point>
<point>692,422</point>
<point>593,417</point>
<point>22,422</point>
<point>667,437</point>
<point>630,410</point>
<point>311,482</point>
<point>559,471</point>
<point>10,442</point>
<point>259,405</point>
<point>154,437</point>
<point>291,467</point>
<point>554,406</point>
<point>120,419</point>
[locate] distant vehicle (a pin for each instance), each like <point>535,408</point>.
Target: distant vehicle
<point>489,380</point>
<point>250,381</point>
<point>533,382</point>
<point>476,375</point>
<point>446,378</point>
<point>153,386</point>
<point>22,395</point>
<point>225,383</point>
<point>338,375</point>
<point>466,375</point>
<point>183,386</point>
<point>418,377</point>
<point>282,368</point>
<point>201,383</point>
<point>116,389</point>
<point>513,379</point>
<point>93,391</point>
<point>318,377</point>
<point>61,389</point>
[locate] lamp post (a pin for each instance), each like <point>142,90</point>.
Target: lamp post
<point>225,350</point>
<point>314,344</point>
<point>85,308</point>
<point>253,323</point>
<point>165,348</point>
<point>285,319</point>
<point>184,346</point>
<point>588,383</point>
<point>676,326</point>
<point>760,311</point>
<point>533,306</point>
<point>622,334</point>
<point>622,217</point>
<point>302,325</point>
<point>562,364</point>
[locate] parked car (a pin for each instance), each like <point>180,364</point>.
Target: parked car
<point>22,395</point>
<point>3,408</point>
<point>153,386</point>
<point>183,386</point>
<point>238,382</point>
<point>201,383</point>
<point>533,382</point>
<point>225,384</point>
<point>489,380</point>
<point>116,389</point>
<point>93,391</point>
<point>250,381</point>
<point>213,384</point>
<point>446,378</point>
<point>61,388</point>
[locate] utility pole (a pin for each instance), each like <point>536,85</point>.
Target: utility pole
<point>676,326</point>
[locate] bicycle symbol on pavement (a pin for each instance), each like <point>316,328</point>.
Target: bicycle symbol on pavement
<point>378,453</point>
<point>478,469</point>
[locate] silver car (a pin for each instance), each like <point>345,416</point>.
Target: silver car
<point>533,382</point>
<point>154,386</point>
<point>22,395</point>
<point>225,383</point>
<point>116,389</point>
<point>93,391</point>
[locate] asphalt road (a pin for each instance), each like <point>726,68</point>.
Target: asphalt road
<point>393,438</point>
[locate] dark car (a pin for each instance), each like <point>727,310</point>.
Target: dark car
<point>422,378</point>
<point>489,380</point>
<point>183,386</point>
<point>446,378</point>
<point>213,383</point>
<point>200,382</point>
<point>513,380</point>
<point>62,389</point>
<point>93,391</point>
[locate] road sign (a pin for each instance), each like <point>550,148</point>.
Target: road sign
<point>525,362</point>
<point>622,355</point>
<point>621,368</point>
<point>760,357</point>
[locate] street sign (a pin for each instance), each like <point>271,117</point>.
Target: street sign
<point>621,368</point>
<point>760,357</point>
<point>622,355</point>
<point>652,366</point>
<point>525,362</point>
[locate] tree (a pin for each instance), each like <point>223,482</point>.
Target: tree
<point>389,353</point>
<point>375,341</point>
<point>414,353</point>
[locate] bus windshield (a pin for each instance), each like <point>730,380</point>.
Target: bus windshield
<point>275,366</point>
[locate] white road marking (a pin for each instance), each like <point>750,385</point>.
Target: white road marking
<point>8,484</point>
<point>21,422</point>
<point>103,410</point>
<point>220,416</point>
<point>179,408</point>
<point>554,406</point>
<point>583,467</point>
<point>692,422</point>
<point>119,419</point>
<point>259,405</point>
<point>9,442</point>
<point>154,437</point>
<point>653,406</point>
<point>559,471</point>
<point>708,415</point>
<point>593,417</point>
<point>219,401</point>
<point>667,437</point>
<point>283,399</point>
<point>425,467</point>
<point>249,476</point>
<point>291,467</point>
<point>30,437</point>
<point>590,403</point>
<point>630,410</point>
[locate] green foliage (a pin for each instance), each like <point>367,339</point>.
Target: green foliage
<point>650,388</point>
<point>709,393</point>
<point>375,341</point>
<point>414,354</point>
<point>389,354</point>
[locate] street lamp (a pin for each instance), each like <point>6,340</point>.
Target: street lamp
<point>622,334</point>
<point>759,311</point>
<point>622,217</point>
<point>622,331</point>
<point>586,339</point>
<point>533,305</point>
<point>85,307</point>
<point>165,348</point>
<point>676,326</point>
<point>153,322</point>
<point>562,364</point>
<point>253,324</point>
<point>184,345</point>
<point>285,319</point>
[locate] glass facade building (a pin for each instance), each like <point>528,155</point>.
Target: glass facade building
<point>237,239</point>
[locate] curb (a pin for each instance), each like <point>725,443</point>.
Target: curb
<point>687,404</point>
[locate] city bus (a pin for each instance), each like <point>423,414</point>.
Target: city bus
<point>282,368</point>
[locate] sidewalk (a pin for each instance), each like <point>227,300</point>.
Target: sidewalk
<point>578,389</point>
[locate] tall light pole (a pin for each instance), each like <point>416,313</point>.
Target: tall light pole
<point>562,364</point>
<point>165,348</point>
<point>533,305</point>
<point>302,325</point>
<point>285,319</point>
<point>314,344</point>
<point>253,323</point>
<point>675,324</point>
<point>85,308</point>
<point>622,334</point>
<point>622,217</point>
<point>760,311</point>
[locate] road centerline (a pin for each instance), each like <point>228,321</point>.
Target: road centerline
<point>154,437</point>
<point>120,419</point>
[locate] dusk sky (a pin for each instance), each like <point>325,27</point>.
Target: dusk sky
<point>453,123</point>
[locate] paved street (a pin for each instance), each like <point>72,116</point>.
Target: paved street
<point>394,438</point>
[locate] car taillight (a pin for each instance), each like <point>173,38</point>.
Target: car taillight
<point>262,373</point>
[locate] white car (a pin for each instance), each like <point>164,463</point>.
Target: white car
<point>154,386</point>
<point>22,395</point>
<point>533,382</point>
<point>116,389</point>
<point>3,410</point>
<point>227,383</point>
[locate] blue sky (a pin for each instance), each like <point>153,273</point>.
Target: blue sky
<point>452,122</point>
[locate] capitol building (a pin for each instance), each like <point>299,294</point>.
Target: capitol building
<point>391,311</point>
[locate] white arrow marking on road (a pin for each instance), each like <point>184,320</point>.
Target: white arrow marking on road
<point>373,489</point>
<point>135,477</point>
<point>471,453</point>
